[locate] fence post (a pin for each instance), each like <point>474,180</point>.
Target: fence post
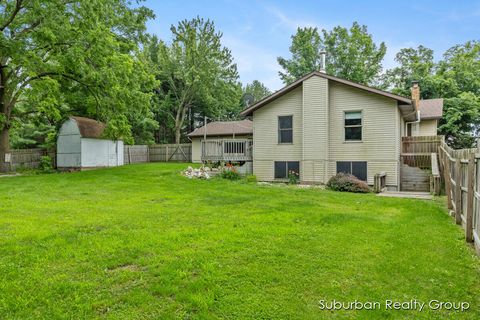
<point>470,198</point>
<point>166,153</point>
<point>458,191</point>
<point>448,182</point>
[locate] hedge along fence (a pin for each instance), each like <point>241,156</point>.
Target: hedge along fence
<point>158,153</point>
<point>461,169</point>
<point>27,158</point>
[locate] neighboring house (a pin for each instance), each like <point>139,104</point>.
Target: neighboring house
<point>81,145</point>
<point>320,125</point>
<point>222,141</point>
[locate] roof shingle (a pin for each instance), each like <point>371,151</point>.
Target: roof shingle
<point>89,128</point>
<point>224,128</point>
<point>431,109</point>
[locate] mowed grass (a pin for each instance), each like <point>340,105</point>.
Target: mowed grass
<point>143,242</point>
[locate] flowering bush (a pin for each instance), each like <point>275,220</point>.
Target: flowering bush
<point>292,177</point>
<point>230,173</point>
<point>347,182</point>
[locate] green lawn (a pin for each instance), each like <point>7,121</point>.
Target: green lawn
<point>143,242</point>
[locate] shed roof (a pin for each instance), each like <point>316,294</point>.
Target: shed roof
<point>248,111</point>
<point>89,128</point>
<point>431,109</point>
<point>224,128</point>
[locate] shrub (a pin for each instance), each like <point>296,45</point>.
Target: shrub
<point>230,173</point>
<point>46,164</point>
<point>348,183</point>
<point>251,178</point>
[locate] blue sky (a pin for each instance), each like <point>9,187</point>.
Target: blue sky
<point>258,32</point>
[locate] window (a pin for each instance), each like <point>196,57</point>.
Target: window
<point>283,167</point>
<point>233,147</point>
<point>285,129</point>
<point>357,168</point>
<point>353,126</point>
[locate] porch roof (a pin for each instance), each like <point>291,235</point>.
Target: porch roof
<point>224,128</point>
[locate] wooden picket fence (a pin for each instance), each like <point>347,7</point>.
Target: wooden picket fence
<point>18,159</point>
<point>158,153</point>
<point>461,170</point>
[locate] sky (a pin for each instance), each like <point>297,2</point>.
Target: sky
<point>257,32</point>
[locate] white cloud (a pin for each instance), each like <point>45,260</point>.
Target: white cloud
<point>289,22</point>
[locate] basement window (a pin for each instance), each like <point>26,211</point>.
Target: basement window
<point>353,126</point>
<point>283,167</point>
<point>356,168</point>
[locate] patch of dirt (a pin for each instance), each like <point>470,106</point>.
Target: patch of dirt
<point>126,267</point>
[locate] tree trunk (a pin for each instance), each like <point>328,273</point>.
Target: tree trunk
<point>4,148</point>
<point>4,125</point>
<point>178,133</point>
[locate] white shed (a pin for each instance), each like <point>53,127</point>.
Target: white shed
<point>81,145</point>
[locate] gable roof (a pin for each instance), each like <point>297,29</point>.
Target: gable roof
<point>431,109</point>
<point>248,111</point>
<point>224,128</point>
<point>89,128</point>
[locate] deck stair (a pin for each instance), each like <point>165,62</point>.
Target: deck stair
<point>415,179</point>
<point>419,170</point>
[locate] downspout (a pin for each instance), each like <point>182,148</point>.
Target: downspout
<point>411,122</point>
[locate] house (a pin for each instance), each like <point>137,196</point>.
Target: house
<point>320,125</point>
<point>227,141</point>
<point>81,145</point>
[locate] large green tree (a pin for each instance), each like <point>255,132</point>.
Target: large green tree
<point>59,57</point>
<point>454,78</point>
<point>414,64</point>
<point>350,54</point>
<point>197,74</point>
<point>457,80</point>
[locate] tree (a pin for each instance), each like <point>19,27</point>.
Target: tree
<point>413,65</point>
<point>305,49</point>
<point>257,89</point>
<point>59,57</point>
<point>353,55</point>
<point>457,80</point>
<point>454,78</point>
<point>350,54</point>
<point>197,74</point>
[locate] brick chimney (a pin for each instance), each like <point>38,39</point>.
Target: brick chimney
<point>416,94</point>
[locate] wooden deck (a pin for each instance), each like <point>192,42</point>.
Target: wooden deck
<point>233,150</point>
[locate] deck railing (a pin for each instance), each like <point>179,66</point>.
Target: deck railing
<point>227,150</point>
<point>417,151</point>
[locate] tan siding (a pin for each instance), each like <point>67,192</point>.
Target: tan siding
<point>315,130</point>
<point>265,134</point>
<point>319,125</point>
<point>380,131</point>
<point>428,128</point>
